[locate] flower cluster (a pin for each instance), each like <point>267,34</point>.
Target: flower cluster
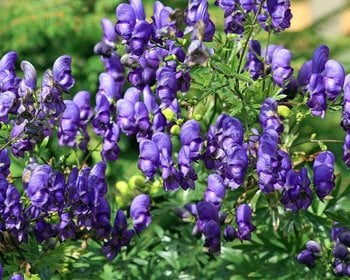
<point>309,256</point>
<point>271,15</point>
<point>341,263</point>
<point>345,120</point>
<point>323,78</point>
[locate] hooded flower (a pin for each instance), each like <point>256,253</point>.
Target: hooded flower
<point>139,212</point>
<point>324,174</point>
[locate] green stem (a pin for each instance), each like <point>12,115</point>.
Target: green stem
<point>90,152</point>
<point>246,43</point>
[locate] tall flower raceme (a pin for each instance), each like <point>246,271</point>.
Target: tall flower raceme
<point>224,150</point>
<point>323,78</point>
<point>272,163</point>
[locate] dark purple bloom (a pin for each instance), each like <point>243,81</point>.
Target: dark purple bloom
<point>212,236</point>
<point>254,64</point>
<point>170,175</point>
<point>126,20</point>
<point>297,193</point>
<point>344,238</point>
<point>114,68</point>
<point>306,257</point>
<point>215,192</point>
<point>340,251</point>
<point>243,220</point>
<point>305,74</point>
<point>324,174</point>
<point>7,101</point>
<point>110,149</point>
<point>345,122</point>
<point>268,116</point>
<point>281,14</point>
<point>69,124</point>
<point>4,162</point>
<point>230,233</point>
<point>317,102</point>
<point>162,21</point>
<point>140,37</point>
<point>186,172</point>
<point>247,5</point>
<point>28,84</point>
<point>139,212</point>
<point>190,136</point>
<point>66,228</point>
<point>227,5</point>
<point>235,165</point>
<point>82,100</point>
<point>23,143</point>
<point>166,85</point>
<point>206,212</point>
<point>234,23</point>
<point>8,79</point>
<point>120,236</point>
<point>62,73</point>
<point>334,75</point>
<point>148,158</point>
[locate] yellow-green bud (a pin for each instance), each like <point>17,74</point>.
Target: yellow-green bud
<point>122,187</point>
<point>175,130</point>
<point>284,111</point>
<point>169,114</point>
<point>136,181</point>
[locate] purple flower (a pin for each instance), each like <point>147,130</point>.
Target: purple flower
<point>197,53</point>
<point>324,174</point>
<point>310,254</point>
<point>235,166</point>
<point>190,136</point>
<point>280,65</point>
<point>243,220</point>
<point>234,23</point>
<point>82,100</point>
<point>215,192</point>
<point>7,101</point>
<point>186,172</point>
<point>69,124</point>
<point>297,193</point>
<point>109,34</point>
<point>230,233</point>
<point>140,37</point>
<point>162,22</point>
<point>281,14</point>
<point>227,5</point>
<point>120,236</point>
<point>62,73</point>
<point>197,15</point>
<point>17,276</point>
<point>139,212</point>
<point>110,149</point>
<point>334,75</point>
<point>114,68</point>
<point>4,162</point>
<point>126,20</point>
<point>170,175</point>
<point>28,84</point>
<point>166,85</point>
<point>148,158</point>
<point>8,79</point>
<point>268,116</point>
<point>254,65</point>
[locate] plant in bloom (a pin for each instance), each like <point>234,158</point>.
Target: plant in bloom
<point>209,122</point>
